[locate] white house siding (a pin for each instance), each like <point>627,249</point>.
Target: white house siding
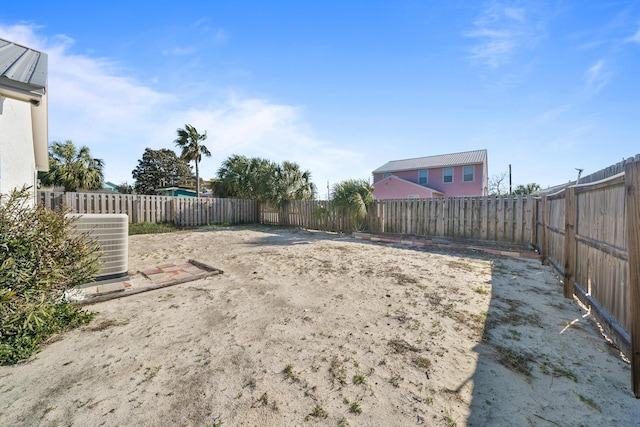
<point>17,157</point>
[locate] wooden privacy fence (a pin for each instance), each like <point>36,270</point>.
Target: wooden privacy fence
<point>183,211</point>
<point>504,219</point>
<point>590,233</point>
<point>309,214</point>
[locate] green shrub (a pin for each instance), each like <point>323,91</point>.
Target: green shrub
<point>40,258</point>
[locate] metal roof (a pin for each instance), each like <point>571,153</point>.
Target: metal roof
<point>22,69</point>
<point>440,161</point>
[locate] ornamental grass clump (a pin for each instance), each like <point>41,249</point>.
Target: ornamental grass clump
<point>40,258</point>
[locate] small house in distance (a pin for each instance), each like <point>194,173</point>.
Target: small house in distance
<point>24,147</point>
<point>176,192</point>
<point>445,175</point>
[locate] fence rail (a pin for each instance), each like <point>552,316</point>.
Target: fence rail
<point>181,211</point>
<point>590,233</point>
<point>504,219</point>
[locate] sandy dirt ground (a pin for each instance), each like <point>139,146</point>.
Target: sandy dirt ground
<point>310,328</point>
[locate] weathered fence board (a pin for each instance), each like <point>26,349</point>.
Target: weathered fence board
<point>181,211</point>
<point>583,232</point>
<point>481,218</point>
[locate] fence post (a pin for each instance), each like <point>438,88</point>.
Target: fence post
<point>632,191</point>
<point>532,215</point>
<point>569,240</point>
<point>544,242</point>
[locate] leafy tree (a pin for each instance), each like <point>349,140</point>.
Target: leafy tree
<point>352,198</point>
<point>526,189</point>
<point>124,188</point>
<point>73,168</point>
<point>160,168</point>
<point>266,181</point>
<point>189,140</point>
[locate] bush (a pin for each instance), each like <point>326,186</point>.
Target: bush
<point>40,258</point>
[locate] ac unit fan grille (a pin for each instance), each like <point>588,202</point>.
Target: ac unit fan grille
<point>111,231</point>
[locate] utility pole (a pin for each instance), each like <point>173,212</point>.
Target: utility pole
<point>510,192</point>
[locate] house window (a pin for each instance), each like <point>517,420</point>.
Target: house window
<point>447,175</point>
<point>423,177</point>
<point>468,174</point>
<point>386,175</point>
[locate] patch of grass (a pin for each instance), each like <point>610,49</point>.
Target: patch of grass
<point>563,372</point>
<point>396,380</point>
<point>317,412</point>
<point>514,361</point>
<point>359,379</point>
<point>422,362</point>
<point>264,399</point>
<point>151,228</point>
<point>288,373</point>
<point>401,346</point>
<point>355,408</point>
<point>512,334</point>
<point>558,372</point>
<point>481,290</point>
<point>428,399</point>
<point>459,265</point>
<point>589,402</point>
<point>448,419</point>
<point>150,373</point>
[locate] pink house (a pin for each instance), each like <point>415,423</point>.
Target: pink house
<point>446,175</point>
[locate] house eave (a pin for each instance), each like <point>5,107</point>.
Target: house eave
<point>21,91</point>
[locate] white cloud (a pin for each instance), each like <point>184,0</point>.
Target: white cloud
<point>500,31</point>
<point>94,103</point>
<point>635,37</point>
<point>596,77</point>
<point>259,128</point>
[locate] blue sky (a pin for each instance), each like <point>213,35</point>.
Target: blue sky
<point>342,87</point>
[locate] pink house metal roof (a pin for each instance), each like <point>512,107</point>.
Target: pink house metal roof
<point>440,161</point>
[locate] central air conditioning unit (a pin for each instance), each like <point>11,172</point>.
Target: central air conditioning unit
<point>111,231</point>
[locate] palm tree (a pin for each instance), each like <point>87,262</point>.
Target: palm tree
<point>292,184</point>
<point>189,140</point>
<point>352,197</point>
<point>73,168</point>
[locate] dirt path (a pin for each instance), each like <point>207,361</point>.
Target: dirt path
<point>309,328</point>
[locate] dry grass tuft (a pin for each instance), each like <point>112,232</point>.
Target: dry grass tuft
<point>514,361</point>
<point>401,346</point>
